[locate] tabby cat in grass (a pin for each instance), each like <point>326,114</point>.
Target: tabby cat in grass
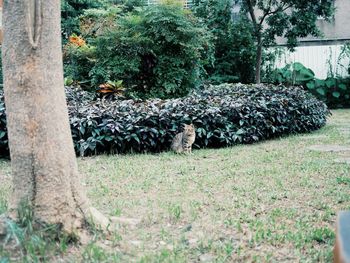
<point>182,143</point>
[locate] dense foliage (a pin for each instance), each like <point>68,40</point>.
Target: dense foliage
<point>78,58</point>
<point>291,19</point>
<point>335,92</point>
<point>70,12</point>
<point>223,115</point>
<point>233,42</point>
<point>4,149</point>
<point>157,51</point>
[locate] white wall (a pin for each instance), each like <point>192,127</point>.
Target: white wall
<point>323,60</point>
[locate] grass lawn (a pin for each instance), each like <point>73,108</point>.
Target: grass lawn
<point>273,201</point>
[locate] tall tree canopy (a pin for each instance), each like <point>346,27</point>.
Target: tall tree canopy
<point>234,47</point>
<point>291,19</point>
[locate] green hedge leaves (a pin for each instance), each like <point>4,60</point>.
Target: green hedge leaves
<point>223,115</point>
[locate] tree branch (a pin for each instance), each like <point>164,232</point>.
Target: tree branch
<point>252,15</point>
<point>280,8</point>
<point>266,12</point>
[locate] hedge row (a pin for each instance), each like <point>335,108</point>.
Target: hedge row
<point>223,115</point>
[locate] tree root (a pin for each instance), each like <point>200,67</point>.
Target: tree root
<point>98,219</point>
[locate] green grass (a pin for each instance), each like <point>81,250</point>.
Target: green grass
<point>272,201</point>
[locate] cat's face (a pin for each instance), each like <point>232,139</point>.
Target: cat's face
<point>189,128</point>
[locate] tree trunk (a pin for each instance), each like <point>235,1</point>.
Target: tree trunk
<point>44,168</point>
<point>258,61</point>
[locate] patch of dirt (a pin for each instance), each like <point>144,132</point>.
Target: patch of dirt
<point>329,148</point>
<point>344,130</point>
<point>343,160</point>
<point>314,137</point>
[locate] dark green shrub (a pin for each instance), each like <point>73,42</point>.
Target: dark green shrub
<point>79,57</point>
<point>335,92</point>
<point>223,116</point>
<point>78,61</point>
<point>158,52</point>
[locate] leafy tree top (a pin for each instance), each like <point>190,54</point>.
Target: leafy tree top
<point>291,19</point>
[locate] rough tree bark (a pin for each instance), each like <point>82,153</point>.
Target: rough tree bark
<point>44,167</point>
<point>258,60</point>
<point>257,28</point>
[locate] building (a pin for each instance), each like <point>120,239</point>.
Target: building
<point>334,32</point>
<point>325,54</point>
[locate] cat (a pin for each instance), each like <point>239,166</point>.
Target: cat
<point>182,143</point>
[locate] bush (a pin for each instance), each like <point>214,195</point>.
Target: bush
<point>157,51</point>
<point>78,60</point>
<point>223,115</point>
<point>335,92</point>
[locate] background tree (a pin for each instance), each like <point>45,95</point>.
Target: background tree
<point>44,168</point>
<point>70,13</point>
<point>234,47</point>
<point>284,18</point>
